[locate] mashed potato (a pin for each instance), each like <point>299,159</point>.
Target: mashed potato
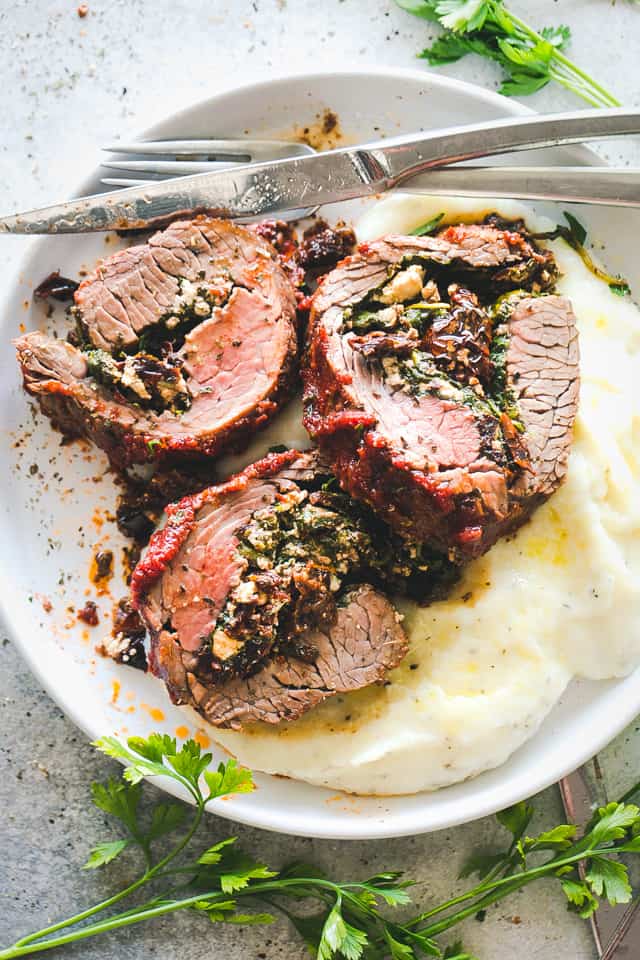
<point>560,599</point>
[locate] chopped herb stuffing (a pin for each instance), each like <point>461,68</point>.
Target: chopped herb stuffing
<point>298,556</point>
<point>437,329</point>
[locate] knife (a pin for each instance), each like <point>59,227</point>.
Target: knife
<point>616,934</point>
<point>261,189</point>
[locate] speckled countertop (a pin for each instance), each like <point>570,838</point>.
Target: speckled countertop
<point>69,84</point>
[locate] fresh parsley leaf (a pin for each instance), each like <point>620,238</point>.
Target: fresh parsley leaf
<point>424,943</point>
<point>215,853</point>
<point>516,819</point>
<point>532,58</point>
<point>398,950</point>
<point>338,936</point>
<point>310,929</point>
<point>560,838</point>
<point>559,37</point>
<point>158,755</point>
<point>392,896</point>
<point>428,227</point>
<point>190,762</point>
<point>229,778</point>
<point>354,942</point>
<point>581,900</point>
<point>633,845</point>
<point>333,932</point>
<point>225,912</point>
<point>244,870</point>
<point>165,818</point>
<point>249,919</point>
<point>298,869</point>
<point>609,878</point>
<point>459,15</point>
<point>119,799</point>
<point>389,887</point>
<point>446,49</point>
<point>137,767</point>
<point>522,84</point>
<point>218,906</point>
<point>155,747</point>
<point>481,864</point>
<point>104,853</point>
<point>420,8</point>
<point>611,823</point>
<point>621,289</point>
<point>232,867</point>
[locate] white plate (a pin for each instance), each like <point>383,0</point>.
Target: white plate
<point>53,517</point>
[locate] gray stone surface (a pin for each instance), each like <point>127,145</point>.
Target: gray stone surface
<point>68,85</point>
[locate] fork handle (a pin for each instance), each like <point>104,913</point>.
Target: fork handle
<point>600,185</point>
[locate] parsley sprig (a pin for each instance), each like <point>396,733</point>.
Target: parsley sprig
<point>349,920</point>
<point>530,59</point>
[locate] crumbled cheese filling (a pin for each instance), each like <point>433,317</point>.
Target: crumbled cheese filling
<point>406,285</point>
<point>132,381</point>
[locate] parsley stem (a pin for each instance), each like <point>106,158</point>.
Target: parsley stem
<point>607,99</point>
<point>514,883</point>
<point>500,888</point>
<point>20,949</point>
<point>148,911</point>
<point>78,917</point>
<point>148,875</point>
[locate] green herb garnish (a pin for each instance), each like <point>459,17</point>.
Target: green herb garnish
<point>429,227</point>
<point>530,59</point>
<point>575,234</point>
<point>348,920</point>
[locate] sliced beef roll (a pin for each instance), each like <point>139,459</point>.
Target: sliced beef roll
<point>441,381</point>
<point>184,345</point>
<point>251,597</point>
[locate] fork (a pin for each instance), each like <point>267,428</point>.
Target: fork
<point>177,158</point>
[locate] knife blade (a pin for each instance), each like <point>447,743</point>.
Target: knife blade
<point>266,188</point>
<point>616,933</point>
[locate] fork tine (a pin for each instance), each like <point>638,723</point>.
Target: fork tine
<point>123,182</point>
<point>237,150</point>
<point>171,168</point>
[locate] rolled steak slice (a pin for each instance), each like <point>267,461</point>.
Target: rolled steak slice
<point>184,345</point>
<point>357,650</point>
<point>246,594</point>
<point>441,381</point>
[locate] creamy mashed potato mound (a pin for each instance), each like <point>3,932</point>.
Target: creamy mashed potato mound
<point>558,600</point>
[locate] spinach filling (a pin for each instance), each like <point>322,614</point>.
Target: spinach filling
<point>299,555</point>
<point>149,372</point>
<point>143,379</point>
<point>451,344</point>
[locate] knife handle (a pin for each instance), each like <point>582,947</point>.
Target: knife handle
<point>406,156</point>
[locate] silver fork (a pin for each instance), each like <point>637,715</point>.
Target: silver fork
<point>161,159</point>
